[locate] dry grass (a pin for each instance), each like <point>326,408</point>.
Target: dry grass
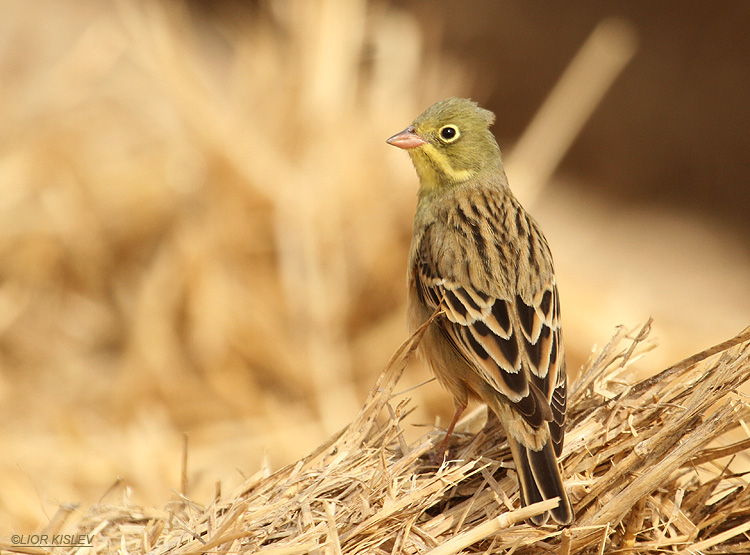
<point>648,465</point>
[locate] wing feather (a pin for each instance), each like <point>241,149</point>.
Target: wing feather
<point>511,339</point>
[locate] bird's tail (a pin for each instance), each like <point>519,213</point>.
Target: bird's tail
<point>539,479</point>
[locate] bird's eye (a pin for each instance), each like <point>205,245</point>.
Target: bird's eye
<point>449,133</point>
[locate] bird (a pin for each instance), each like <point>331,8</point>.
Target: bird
<point>481,260</point>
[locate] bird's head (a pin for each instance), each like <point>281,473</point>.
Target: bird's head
<point>450,143</point>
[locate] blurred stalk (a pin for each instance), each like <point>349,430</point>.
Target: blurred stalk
<point>313,262</point>
<point>569,105</point>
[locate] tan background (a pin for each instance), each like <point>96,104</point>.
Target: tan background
<point>203,230</point>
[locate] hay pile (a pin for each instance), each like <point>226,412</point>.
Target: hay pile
<point>648,466</point>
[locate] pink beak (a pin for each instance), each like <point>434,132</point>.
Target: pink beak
<point>408,138</point>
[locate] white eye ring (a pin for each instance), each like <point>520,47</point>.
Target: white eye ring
<point>449,133</point>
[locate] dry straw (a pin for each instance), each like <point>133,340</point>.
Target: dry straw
<point>647,465</point>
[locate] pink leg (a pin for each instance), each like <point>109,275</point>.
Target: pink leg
<point>438,455</point>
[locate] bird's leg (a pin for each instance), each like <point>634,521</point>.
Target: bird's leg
<point>438,455</point>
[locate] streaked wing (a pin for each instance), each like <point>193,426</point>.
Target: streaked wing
<point>516,346</point>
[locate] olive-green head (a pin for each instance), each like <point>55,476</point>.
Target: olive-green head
<point>450,143</point>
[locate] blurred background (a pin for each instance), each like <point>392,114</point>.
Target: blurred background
<point>203,231</point>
